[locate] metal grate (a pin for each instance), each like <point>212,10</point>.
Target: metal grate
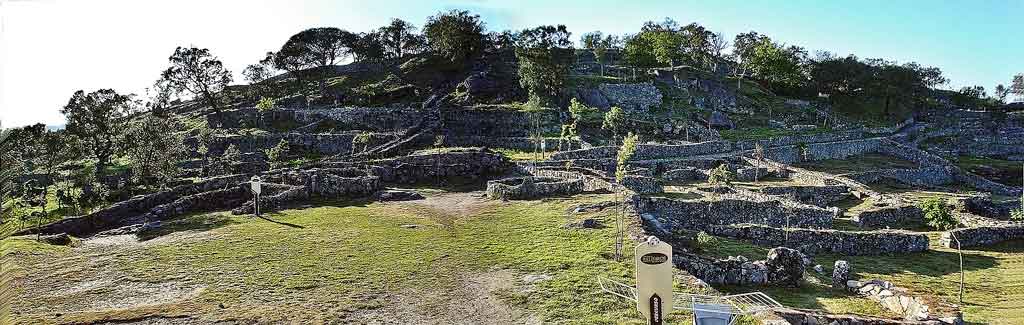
<point>740,304</point>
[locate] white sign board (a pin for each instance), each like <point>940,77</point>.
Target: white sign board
<point>255,181</point>
<point>654,280</point>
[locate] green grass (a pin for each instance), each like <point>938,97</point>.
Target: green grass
<point>1002,171</point>
<point>348,256</point>
<point>994,280</point>
<point>328,261</point>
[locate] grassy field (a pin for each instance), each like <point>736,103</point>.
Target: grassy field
<point>333,261</point>
<point>435,260</point>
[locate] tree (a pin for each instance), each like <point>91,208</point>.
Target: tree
<point>599,44</point>
<point>368,47</point>
<point>718,43</point>
<point>198,72</point>
<point>278,155</point>
<point>744,45</point>
<point>1017,87</point>
<point>697,44</point>
<point>759,156</point>
<point>720,175</point>
<point>98,118</point>
<point>939,215</point>
<point>53,150</point>
<point>545,55</point>
<point>309,53</point>
<point>614,120</point>
<point>399,38</point>
<point>1001,92</point>
<point>155,150</point>
<point>625,155</point>
<point>257,73</point>
<point>456,35</point>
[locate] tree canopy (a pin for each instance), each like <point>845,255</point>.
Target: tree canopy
<point>456,35</point>
<point>197,71</point>
<point>99,118</point>
<point>545,55</point>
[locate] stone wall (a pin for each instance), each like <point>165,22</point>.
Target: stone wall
<point>516,143</point>
<point>498,122</point>
<point>821,196</point>
<point>783,266</point>
<point>639,97</point>
<point>894,215</point>
<point>796,139</point>
<point>928,176</point>
<point>823,151</point>
<point>530,187</point>
<point>661,151</point>
<point>473,164</point>
<point>588,153</point>
<point>592,179</point>
<point>983,236</point>
<point>642,184</point>
<point>727,209</point>
<point>813,241</point>
<point>324,144</point>
<point>899,150</point>
<point>130,212</point>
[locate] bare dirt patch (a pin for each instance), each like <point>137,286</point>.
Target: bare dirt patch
<point>474,300</point>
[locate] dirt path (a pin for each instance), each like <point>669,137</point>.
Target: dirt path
<point>473,301</point>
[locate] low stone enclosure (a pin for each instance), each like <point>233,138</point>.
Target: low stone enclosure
<point>529,187</point>
<point>782,266</point>
<point>983,236</point>
<point>702,214</point>
<point>813,241</point>
<point>330,180</point>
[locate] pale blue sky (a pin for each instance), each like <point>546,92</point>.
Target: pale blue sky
<point>50,48</point>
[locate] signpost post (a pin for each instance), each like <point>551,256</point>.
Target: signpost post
<point>654,280</point>
<point>256,183</point>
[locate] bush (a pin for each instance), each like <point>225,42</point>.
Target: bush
<point>706,241</point>
<point>721,175</point>
<point>625,155</point>
<point>278,155</point>
<point>265,104</point>
<point>939,214</point>
<point>614,120</point>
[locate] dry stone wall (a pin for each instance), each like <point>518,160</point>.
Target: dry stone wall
<point>131,211</point>
<point>529,187</point>
<point>983,236</point>
<point>813,241</point>
<point>700,214</point>
<point>821,196</point>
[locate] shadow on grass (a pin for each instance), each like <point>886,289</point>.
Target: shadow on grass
<point>930,263</point>
<point>201,222</point>
<point>292,225</point>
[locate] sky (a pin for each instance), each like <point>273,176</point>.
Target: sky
<point>51,48</point>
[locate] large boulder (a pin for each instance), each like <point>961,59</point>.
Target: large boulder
<point>721,121</point>
<point>785,266</point>
<point>592,98</point>
<point>840,274</point>
<point>61,239</point>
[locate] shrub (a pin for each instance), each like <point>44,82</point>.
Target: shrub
<point>720,176</point>
<point>614,120</point>
<point>706,241</point>
<point>265,104</point>
<point>625,155</point>
<point>278,154</point>
<point>938,213</point>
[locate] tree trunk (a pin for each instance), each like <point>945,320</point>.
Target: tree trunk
<point>961,254</point>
